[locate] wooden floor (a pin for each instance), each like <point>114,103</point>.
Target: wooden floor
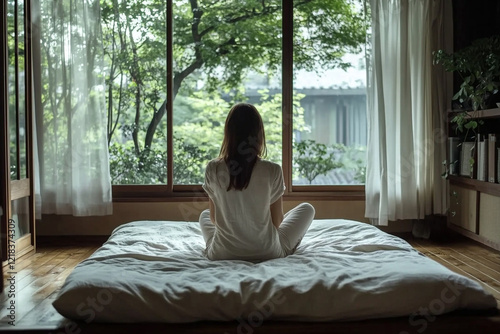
<point>38,276</point>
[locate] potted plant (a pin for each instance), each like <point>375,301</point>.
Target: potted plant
<point>479,68</point>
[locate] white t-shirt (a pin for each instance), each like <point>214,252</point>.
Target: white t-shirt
<point>243,224</point>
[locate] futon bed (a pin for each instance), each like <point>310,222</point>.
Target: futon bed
<point>155,271</point>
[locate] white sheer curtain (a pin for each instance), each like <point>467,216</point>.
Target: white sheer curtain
<point>71,127</point>
<point>407,101</point>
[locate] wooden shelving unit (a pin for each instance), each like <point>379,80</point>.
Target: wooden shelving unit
<point>481,186</point>
<point>475,205</point>
<point>487,113</point>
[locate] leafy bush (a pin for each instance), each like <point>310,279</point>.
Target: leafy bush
<point>313,159</point>
<point>129,167</point>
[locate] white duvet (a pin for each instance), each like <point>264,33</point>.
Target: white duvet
<point>154,271</point>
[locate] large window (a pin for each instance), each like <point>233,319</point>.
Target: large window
<point>222,52</point>
<point>174,68</point>
<point>135,39</point>
<point>329,146</point>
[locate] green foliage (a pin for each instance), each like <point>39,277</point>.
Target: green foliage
<point>360,173</point>
<point>466,121</point>
<point>128,167</point>
<point>354,158</point>
<point>313,159</point>
<point>189,162</point>
<point>479,67</point>
<point>325,30</point>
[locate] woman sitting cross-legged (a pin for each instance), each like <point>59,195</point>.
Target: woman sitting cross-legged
<point>245,218</point>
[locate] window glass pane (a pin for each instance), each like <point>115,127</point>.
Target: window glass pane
<point>135,69</point>
<point>224,52</point>
<point>11,41</point>
<point>330,81</point>
<point>22,91</point>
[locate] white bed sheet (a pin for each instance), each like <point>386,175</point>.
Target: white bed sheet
<point>154,271</point>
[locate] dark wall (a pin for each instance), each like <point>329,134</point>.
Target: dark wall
<point>473,19</point>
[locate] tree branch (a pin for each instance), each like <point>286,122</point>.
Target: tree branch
<point>110,85</point>
<point>135,73</point>
<point>253,14</point>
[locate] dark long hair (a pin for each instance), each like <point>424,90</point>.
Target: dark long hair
<point>244,143</point>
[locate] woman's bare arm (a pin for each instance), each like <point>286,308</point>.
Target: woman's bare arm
<point>277,212</point>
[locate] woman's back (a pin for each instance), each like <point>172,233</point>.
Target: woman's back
<point>245,218</point>
<point>244,228</point>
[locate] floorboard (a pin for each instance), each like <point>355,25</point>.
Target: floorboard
<point>467,258</point>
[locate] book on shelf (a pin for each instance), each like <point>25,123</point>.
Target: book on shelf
<point>482,158</point>
<point>453,154</point>
<point>467,158</point>
<point>492,150</point>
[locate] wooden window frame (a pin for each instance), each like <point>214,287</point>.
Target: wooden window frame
<point>22,186</point>
<point>171,192</point>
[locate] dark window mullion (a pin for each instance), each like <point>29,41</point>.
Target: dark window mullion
<point>27,86</point>
<point>287,91</point>
<point>28,69</point>
<point>170,145</point>
<point>4,122</point>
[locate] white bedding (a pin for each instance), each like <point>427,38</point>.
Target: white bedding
<point>154,271</point>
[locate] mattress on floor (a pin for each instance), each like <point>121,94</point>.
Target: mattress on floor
<point>154,271</point>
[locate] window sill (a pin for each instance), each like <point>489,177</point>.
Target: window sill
<point>163,193</point>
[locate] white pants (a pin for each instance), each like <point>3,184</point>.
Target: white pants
<point>291,230</point>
